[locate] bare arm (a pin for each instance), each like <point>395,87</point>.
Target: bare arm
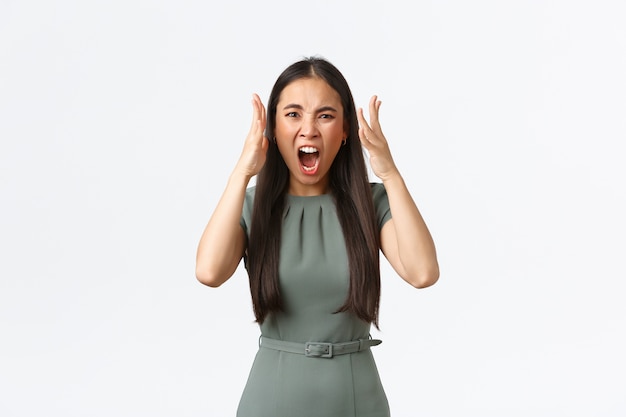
<point>405,239</point>
<point>223,241</point>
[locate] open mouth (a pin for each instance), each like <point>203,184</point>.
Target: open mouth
<point>309,159</point>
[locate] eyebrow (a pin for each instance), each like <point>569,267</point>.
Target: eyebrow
<point>320,110</point>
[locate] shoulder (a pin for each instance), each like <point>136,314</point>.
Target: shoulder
<point>248,203</point>
<point>249,198</point>
<point>381,203</point>
<point>379,194</point>
<point>250,191</point>
<point>378,190</point>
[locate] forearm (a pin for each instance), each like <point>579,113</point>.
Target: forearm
<point>415,247</point>
<point>222,243</point>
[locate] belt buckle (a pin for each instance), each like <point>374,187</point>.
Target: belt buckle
<point>327,351</point>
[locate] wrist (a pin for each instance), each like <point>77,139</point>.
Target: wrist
<point>239,177</point>
<point>391,177</point>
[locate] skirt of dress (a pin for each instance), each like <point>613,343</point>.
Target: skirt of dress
<point>283,384</point>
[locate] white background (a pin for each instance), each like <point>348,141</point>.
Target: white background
<point>121,120</point>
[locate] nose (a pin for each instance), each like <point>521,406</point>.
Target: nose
<point>308,128</point>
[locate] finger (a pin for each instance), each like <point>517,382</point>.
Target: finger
<point>263,115</point>
<point>360,118</point>
<point>259,105</point>
<point>365,142</point>
<point>265,144</point>
<point>255,111</point>
<point>260,109</point>
<point>259,117</point>
<point>364,128</point>
<point>374,108</point>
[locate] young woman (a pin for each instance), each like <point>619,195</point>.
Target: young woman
<point>310,233</point>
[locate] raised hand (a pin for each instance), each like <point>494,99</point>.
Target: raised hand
<point>255,147</point>
<point>374,141</point>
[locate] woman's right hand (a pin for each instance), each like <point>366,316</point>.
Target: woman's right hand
<point>255,147</point>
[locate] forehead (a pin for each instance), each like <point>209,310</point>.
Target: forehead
<point>310,91</point>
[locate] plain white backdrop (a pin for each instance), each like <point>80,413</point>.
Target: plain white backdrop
<point>120,122</point>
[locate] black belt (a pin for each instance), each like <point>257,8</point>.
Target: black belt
<point>318,349</point>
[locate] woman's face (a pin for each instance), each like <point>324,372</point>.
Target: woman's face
<point>309,131</point>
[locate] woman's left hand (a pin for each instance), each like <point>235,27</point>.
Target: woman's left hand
<point>374,141</point>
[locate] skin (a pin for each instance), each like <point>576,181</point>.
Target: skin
<point>405,239</point>
<point>309,112</point>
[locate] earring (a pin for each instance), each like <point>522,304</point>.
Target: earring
<point>274,140</point>
<point>344,141</point>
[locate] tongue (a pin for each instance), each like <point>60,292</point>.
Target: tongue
<point>308,159</point>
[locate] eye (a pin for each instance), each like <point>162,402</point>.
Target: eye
<point>292,114</point>
<point>326,116</point>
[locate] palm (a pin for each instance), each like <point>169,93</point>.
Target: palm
<point>255,147</point>
<point>373,139</point>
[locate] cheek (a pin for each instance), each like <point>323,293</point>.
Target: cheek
<point>337,133</point>
<point>284,149</point>
<point>281,147</point>
<point>282,127</point>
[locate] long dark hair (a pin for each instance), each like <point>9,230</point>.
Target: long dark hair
<point>349,184</point>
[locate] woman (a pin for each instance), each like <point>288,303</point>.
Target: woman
<point>310,233</point>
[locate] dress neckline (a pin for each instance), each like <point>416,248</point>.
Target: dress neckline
<point>294,197</point>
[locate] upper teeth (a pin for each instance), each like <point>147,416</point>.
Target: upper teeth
<point>308,149</point>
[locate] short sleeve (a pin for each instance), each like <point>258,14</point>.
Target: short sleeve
<point>246,213</point>
<point>381,204</point>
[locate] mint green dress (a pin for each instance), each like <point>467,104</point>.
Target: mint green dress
<point>314,279</point>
